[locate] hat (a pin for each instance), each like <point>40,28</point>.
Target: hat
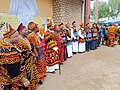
<point>21,27</point>
<point>49,24</point>
<point>66,23</point>
<point>32,26</point>
<point>73,22</point>
<point>42,30</point>
<point>81,25</point>
<point>107,24</point>
<point>87,24</point>
<point>47,36</point>
<point>60,24</point>
<point>10,32</point>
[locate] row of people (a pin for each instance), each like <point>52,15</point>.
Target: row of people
<point>27,54</point>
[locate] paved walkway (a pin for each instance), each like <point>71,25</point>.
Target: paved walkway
<point>94,70</point>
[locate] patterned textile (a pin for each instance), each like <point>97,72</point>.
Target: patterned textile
<point>51,54</point>
<point>41,66</point>
<point>10,64</point>
<point>111,39</point>
<point>39,53</point>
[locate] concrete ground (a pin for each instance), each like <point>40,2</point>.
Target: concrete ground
<point>94,70</point>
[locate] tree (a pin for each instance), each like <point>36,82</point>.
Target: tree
<point>114,6</point>
<point>103,10</point>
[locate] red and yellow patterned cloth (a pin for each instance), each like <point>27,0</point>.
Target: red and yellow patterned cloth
<point>9,56</point>
<point>51,54</point>
<point>41,64</point>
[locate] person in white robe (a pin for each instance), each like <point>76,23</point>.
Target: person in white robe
<point>74,38</point>
<point>69,43</point>
<point>82,42</point>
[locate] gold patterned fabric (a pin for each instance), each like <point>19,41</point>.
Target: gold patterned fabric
<point>10,56</point>
<point>51,54</point>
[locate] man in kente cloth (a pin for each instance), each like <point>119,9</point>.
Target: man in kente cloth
<point>29,57</point>
<point>58,39</point>
<point>12,74</point>
<point>63,51</point>
<point>37,49</point>
<point>112,30</point>
<point>51,50</point>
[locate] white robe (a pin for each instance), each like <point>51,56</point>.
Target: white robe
<point>69,48</point>
<point>75,46</point>
<point>74,43</point>
<point>54,67</point>
<point>82,45</point>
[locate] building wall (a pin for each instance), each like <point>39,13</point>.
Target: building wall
<point>45,7</point>
<point>67,10</point>
<point>60,10</point>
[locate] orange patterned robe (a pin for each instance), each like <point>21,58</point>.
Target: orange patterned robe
<point>37,49</point>
<point>29,61</point>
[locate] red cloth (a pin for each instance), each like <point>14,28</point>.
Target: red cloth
<point>62,52</point>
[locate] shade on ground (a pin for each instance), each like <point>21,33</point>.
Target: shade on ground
<point>95,70</point>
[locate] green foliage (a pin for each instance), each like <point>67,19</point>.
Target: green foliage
<point>114,8</point>
<point>107,10</point>
<point>103,10</point>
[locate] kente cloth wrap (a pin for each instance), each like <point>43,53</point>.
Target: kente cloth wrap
<point>111,37</point>
<point>10,64</point>
<point>39,53</point>
<point>51,54</point>
<point>29,62</point>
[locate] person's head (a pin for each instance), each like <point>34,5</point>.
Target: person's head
<point>94,25</point>
<point>22,30</point>
<point>113,24</point>
<point>66,24</point>
<point>65,31</point>
<point>81,25</point>
<point>56,28</point>
<point>33,27</point>
<point>48,36</point>
<point>12,36</point>
<point>42,31</point>
<point>74,24</point>
<point>49,25</point>
<point>119,28</point>
<point>61,25</point>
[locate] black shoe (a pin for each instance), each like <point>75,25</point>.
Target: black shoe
<point>61,63</point>
<point>44,75</point>
<point>40,82</point>
<point>52,72</point>
<point>74,53</point>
